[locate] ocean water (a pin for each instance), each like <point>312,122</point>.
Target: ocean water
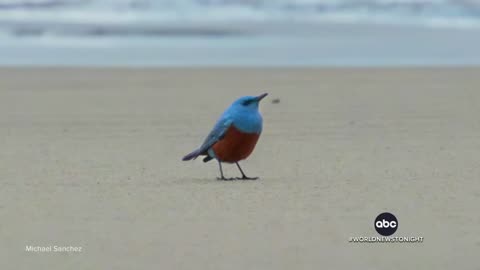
<point>239,32</point>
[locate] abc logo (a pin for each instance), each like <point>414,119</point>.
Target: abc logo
<point>386,224</point>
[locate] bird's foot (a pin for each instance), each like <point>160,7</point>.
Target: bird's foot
<point>226,179</point>
<point>244,177</point>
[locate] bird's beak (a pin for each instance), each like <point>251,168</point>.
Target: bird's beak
<point>262,96</point>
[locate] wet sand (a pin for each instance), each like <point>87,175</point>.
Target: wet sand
<point>91,158</point>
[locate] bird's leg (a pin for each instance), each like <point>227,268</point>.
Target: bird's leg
<point>221,173</point>
<point>244,177</point>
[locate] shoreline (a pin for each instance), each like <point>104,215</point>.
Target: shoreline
<point>326,45</point>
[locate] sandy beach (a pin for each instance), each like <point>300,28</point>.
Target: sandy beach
<point>91,158</point>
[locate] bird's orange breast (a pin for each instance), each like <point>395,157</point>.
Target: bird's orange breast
<point>235,145</point>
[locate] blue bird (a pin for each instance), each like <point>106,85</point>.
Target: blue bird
<point>234,136</point>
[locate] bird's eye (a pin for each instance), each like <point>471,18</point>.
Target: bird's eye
<point>246,102</point>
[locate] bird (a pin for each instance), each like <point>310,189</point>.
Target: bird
<point>234,136</point>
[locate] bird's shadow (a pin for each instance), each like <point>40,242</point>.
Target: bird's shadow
<point>204,180</point>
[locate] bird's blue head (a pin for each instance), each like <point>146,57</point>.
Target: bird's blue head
<point>248,103</point>
<point>245,115</point>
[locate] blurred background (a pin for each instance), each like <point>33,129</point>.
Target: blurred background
<point>239,32</point>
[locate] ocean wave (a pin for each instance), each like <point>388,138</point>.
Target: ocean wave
<point>37,4</point>
<point>215,17</point>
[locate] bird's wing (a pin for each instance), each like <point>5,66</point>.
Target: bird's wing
<point>217,133</point>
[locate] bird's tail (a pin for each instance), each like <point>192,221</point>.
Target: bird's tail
<point>192,155</point>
